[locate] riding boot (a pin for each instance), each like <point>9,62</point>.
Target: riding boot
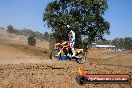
<point>74,53</point>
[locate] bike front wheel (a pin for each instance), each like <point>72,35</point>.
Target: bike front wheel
<point>81,58</point>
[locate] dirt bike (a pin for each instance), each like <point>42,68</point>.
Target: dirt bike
<point>61,49</point>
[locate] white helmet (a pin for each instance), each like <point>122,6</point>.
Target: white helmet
<point>68,26</point>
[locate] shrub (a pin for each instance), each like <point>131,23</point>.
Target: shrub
<point>31,40</point>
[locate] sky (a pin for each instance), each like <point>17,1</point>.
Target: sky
<point>28,14</point>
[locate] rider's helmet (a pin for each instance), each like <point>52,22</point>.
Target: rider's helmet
<point>69,28</point>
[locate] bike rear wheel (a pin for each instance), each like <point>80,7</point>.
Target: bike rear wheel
<point>54,55</point>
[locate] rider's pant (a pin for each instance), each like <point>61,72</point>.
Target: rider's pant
<point>72,46</point>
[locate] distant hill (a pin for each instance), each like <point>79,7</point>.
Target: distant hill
<point>6,37</point>
<point>2,29</point>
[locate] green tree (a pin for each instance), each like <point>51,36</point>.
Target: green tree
<point>104,42</point>
<point>10,29</point>
<point>32,40</point>
<point>115,42</point>
<point>128,43</point>
<point>46,36</point>
<point>123,43</point>
<point>86,16</point>
<point>27,32</point>
<point>39,35</point>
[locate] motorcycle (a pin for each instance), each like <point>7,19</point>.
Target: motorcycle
<point>61,49</point>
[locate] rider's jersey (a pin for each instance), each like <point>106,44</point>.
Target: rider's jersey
<point>71,36</point>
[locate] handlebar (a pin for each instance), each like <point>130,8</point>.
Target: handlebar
<point>64,44</point>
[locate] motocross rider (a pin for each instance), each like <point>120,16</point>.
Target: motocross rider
<point>71,42</point>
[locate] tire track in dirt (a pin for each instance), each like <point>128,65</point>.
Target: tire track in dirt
<point>115,65</point>
<point>60,74</point>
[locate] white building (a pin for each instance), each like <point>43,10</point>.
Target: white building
<point>94,45</point>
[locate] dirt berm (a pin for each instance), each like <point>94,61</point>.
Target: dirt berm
<point>55,75</point>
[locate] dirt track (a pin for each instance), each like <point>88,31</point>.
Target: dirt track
<point>54,75</point>
<point>22,69</point>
